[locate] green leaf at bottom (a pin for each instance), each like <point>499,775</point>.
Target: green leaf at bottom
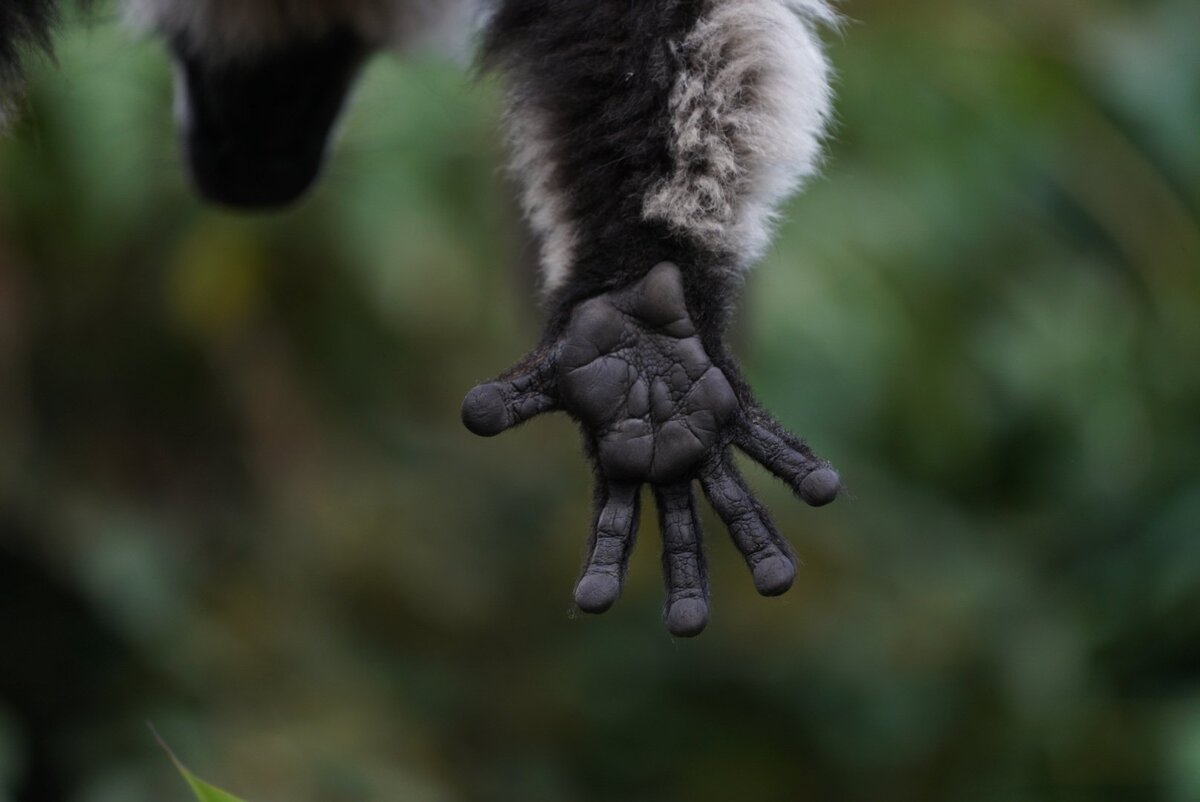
<point>203,791</point>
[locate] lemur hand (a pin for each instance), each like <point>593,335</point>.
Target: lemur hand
<point>631,369</point>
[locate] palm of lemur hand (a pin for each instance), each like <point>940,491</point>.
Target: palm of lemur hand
<point>630,367</point>
<point>633,371</point>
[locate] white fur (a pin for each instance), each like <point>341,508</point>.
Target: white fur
<point>232,27</point>
<point>533,164</point>
<point>750,109</point>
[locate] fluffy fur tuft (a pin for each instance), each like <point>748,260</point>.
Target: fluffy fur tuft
<point>668,133</point>
<point>592,81</point>
<point>535,165</point>
<point>748,113</point>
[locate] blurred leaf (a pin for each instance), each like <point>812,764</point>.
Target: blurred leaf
<point>204,792</point>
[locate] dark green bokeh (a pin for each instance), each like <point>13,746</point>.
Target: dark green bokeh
<point>235,497</point>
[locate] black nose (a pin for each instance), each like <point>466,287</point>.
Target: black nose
<point>251,181</point>
<point>256,126</point>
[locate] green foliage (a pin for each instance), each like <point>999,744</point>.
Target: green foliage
<point>203,791</point>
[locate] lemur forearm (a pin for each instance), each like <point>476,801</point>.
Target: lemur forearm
<point>669,133</point>
<point>653,141</point>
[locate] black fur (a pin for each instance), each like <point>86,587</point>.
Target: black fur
<point>601,71</point>
<point>24,25</point>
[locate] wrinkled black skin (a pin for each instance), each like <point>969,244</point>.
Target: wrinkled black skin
<point>656,408</point>
<point>256,127</point>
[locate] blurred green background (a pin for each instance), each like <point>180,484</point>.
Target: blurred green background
<point>236,499</point>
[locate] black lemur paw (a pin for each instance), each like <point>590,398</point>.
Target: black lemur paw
<point>630,367</point>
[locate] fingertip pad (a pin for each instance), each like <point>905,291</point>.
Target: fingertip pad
<point>774,576</point>
<point>821,487</point>
<point>687,618</point>
<point>484,412</point>
<point>595,593</point>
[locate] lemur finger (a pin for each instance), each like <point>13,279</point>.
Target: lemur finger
<point>770,558</point>
<point>789,458</point>
<point>498,406</point>
<point>684,570</point>
<point>614,530</point>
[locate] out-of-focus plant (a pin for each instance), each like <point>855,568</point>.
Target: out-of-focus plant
<point>203,791</point>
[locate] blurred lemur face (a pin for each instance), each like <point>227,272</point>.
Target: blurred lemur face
<point>255,128</point>
<point>261,83</point>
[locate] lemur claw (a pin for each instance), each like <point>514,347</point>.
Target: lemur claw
<point>630,367</point>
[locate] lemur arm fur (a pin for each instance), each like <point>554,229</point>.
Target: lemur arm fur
<point>653,147</point>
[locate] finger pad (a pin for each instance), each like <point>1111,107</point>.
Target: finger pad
<point>483,411</point>
<point>821,487</point>
<point>687,618</point>
<point>596,593</point>
<point>774,576</point>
